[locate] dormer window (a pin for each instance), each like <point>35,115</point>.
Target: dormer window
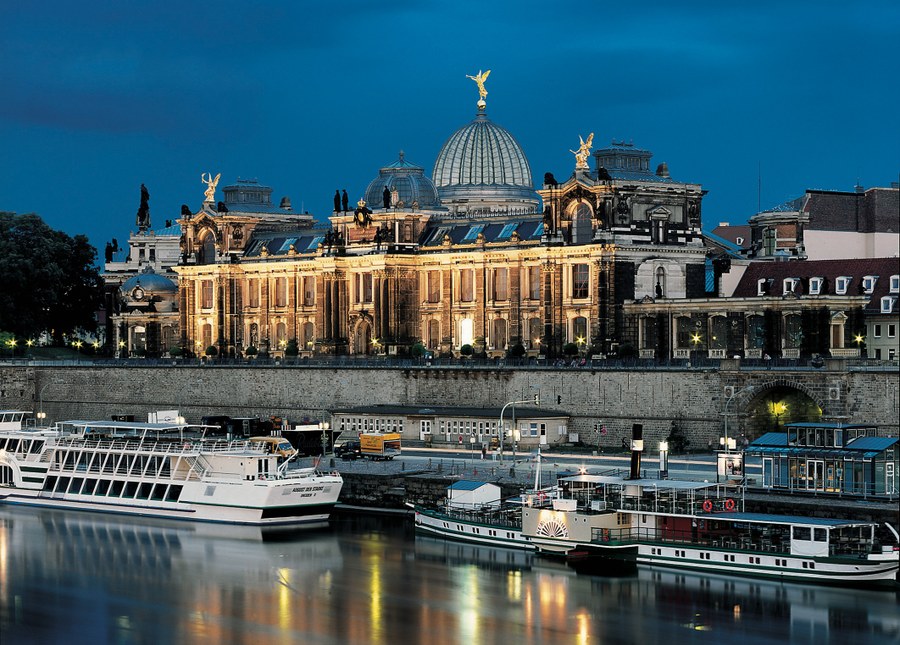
<point>841,285</point>
<point>887,304</point>
<point>790,285</point>
<point>739,241</point>
<point>868,283</point>
<point>815,286</point>
<point>762,287</point>
<point>895,284</point>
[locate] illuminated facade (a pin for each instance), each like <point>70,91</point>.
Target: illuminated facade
<point>500,278</point>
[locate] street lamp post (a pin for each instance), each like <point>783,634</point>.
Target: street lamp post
<point>536,400</point>
<point>663,459</point>
<point>324,426</point>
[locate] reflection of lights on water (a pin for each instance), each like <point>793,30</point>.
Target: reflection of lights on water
<point>284,598</point>
<point>514,585</point>
<point>737,611</point>
<point>470,603</point>
<point>697,625</point>
<point>375,628</point>
<point>584,624</point>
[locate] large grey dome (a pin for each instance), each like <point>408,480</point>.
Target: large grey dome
<point>149,282</point>
<point>483,167</point>
<point>412,186</point>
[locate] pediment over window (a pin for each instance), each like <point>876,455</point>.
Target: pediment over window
<point>659,212</point>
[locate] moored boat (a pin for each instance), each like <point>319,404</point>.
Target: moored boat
<point>172,470</point>
<point>475,512</point>
<point>605,521</point>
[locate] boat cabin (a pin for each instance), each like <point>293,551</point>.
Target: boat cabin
<point>473,494</point>
<point>830,459</point>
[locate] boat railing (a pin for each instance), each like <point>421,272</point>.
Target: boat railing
<point>749,543</point>
<point>502,516</point>
<point>170,447</point>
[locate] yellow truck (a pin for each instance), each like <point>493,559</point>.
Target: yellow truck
<point>379,446</point>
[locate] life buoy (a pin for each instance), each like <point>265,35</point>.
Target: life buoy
<point>707,505</point>
<point>729,504</point>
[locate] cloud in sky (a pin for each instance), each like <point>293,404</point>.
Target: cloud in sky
<point>101,97</point>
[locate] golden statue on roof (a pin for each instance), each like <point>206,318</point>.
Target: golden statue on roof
<point>583,152</point>
<point>209,195</point>
<point>479,79</point>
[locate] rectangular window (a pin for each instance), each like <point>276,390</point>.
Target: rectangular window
<point>868,283</point>
<point>841,285</point>
<point>434,286</point>
<point>281,292</point>
<point>895,284</point>
<point>501,284</point>
<point>790,284</point>
<point>367,287</point>
<point>534,283</point>
<point>887,304</point>
<point>892,330</point>
<point>309,290</point>
<point>253,292</point>
<point>815,286</point>
<point>472,235</point>
<point>507,231</point>
<point>580,281</point>
<point>206,294</point>
<point>877,333</point>
<point>467,285</point>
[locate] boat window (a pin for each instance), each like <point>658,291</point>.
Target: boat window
<point>802,533</point>
<point>820,535</point>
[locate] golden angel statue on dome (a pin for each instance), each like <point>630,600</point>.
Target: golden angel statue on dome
<point>479,79</point>
<point>209,195</point>
<point>583,152</point>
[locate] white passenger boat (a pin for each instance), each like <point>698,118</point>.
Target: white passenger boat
<point>473,511</point>
<point>172,470</point>
<point>603,521</point>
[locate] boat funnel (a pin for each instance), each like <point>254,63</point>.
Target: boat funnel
<point>637,447</point>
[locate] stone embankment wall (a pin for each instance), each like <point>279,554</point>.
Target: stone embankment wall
<point>694,398</point>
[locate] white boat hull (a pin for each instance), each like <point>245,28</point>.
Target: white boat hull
<point>256,503</point>
<point>446,526</point>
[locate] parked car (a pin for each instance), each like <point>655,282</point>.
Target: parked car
<point>348,450</point>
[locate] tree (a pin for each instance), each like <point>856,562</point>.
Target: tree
<point>291,349</point>
<point>48,280</point>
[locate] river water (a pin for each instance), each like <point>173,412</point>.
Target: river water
<point>70,577</point>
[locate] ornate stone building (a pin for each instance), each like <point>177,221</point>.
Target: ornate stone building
<point>469,259</point>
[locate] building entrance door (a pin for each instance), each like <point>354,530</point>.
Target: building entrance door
<point>767,472</point>
<point>815,474</point>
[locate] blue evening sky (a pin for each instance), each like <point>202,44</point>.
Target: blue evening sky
<point>308,97</point>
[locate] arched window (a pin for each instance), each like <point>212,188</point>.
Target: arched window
<point>434,334</point>
<point>281,335</point>
<point>660,282</point>
<point>466,331</point>
<point>308,336</point>
<point>534,333</point>
<point>254,335</point>
<point>207,249</point>
<point>579,332</point>
<point>581,224</point>
<point>718,332</point>
<point>206,335</point>
<point>499,333</point>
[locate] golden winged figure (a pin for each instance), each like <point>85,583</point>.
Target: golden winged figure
<point>209,195</point>
<point>479,79</point>
<point>583,152</point>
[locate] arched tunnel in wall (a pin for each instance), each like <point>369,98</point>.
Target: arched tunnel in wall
<point>773,407</point>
